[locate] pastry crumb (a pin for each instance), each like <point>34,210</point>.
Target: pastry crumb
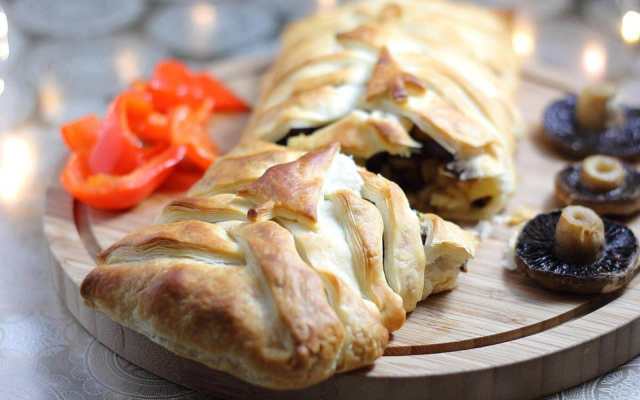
<point>515,220</point>
<point>508,261</point>
<point>520,215</point>
<point>483,229</point>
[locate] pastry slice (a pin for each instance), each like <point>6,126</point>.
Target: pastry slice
<point>420,91</point>
<point>279,267</point>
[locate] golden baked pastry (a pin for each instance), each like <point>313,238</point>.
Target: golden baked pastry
<point>279,267</point>
<point>420,91</point>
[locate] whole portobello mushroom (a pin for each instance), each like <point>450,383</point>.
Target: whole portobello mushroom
<point>575,251</point>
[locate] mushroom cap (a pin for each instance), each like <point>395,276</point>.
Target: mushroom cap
<point>622,201</point>
<point>561,129</point>
<point>616,266</point>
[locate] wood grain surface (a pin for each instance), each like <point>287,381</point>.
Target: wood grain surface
<point>497,335</point>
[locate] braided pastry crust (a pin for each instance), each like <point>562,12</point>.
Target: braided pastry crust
<point>420,91</point>
<point>279,267</point>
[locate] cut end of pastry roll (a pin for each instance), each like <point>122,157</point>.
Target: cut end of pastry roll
<point>447,248</point>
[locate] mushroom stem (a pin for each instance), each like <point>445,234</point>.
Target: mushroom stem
<point>602,173</point>
<point>591,109</point>
<point>579,235</point>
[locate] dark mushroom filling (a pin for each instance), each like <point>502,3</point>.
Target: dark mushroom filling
<point>297,132</point>
<point>415,172</point>
<point>572,190</point>
<point>428,170</point>
<point>481,202</point>
<point>424,172</point>
<point>562,129</point>
<point>536,249</point>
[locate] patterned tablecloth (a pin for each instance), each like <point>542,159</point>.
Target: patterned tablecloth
<point>61,60</point>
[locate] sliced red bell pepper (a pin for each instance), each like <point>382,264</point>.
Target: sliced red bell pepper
<point>115,192</point>
<point>82,134</point>
<point>144,120</point>
<point>189,128</point>
<point>172,84</point>
<point>153,127</point>
<point>181,180</point>
<point>224,99</point>
<point>151,131</point>
<point>118,151</point>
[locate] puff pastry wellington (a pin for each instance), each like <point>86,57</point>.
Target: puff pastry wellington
<point>418,90</point>
<point>280,267</point>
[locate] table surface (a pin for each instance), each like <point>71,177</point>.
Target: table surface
<point>44,353</point>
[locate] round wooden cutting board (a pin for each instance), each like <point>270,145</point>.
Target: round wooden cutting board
<point>497,336</point>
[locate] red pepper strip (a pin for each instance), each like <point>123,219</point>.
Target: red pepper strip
<point>153,127</point>
<point>180,180</point>
<point>152,151</point>
<point>172,84</point>
<point>224,99</point>
<point>118,150</point>
<point>115,192</point>
<point>82,134</point>
<point>184,175</point>
<point>189,128</point>
<point>144,120</point>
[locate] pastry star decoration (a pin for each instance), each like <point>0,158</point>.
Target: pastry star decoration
<point>292,190</point>
<point>389,78</point>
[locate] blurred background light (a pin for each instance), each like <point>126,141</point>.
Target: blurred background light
<point>523,39</point>
<point>325,5</point>
<point>16,165</point>
<point>594,60</point>
<point>127,64</point>
<point>50,98</point>
<point>203,15</point>
<point>630,27</point>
